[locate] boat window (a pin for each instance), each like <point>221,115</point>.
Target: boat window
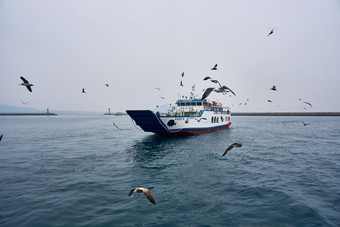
<point>199,103</point>
<point>212,119</point>
<point>187,103</point>
<point>217,119</point>
<point>222,119</point>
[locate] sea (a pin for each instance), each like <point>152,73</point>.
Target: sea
<point>78,170</point>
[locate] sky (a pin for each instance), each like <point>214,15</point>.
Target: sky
<point>62,46</point>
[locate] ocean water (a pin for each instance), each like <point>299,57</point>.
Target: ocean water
<point>78,171</point>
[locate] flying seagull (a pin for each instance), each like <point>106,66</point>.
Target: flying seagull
<point>114,124</point>
<point>207,78</point>
<point>146,193</point>
<point>181,84</point>
<point>107,85</point>
<point>24,102</point>
<point>1,136</point>
<point>214,68</point>
<point>269,100</point>
<point>273,88</point>
<point>271,32</point>
<point>231,146</point>
<point>308,104</point>
<point>26,84</point>
<point>162,97</point>
<point>158,88</point>
<point>216,89</point>
<point>83,91</point>
<point>182,74</point>
<point>304,124</point>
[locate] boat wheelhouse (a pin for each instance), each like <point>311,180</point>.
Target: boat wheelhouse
<point>187,117</point>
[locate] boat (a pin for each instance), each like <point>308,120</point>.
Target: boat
<point>187,117</point>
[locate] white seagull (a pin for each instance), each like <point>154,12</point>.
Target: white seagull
<point>26,84</point>
<point>216,89</point>
<point>146,193</point>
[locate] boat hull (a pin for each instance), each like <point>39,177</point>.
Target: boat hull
<point>188,132</point>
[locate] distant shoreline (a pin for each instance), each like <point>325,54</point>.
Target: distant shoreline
<point>28,114</point>
<point>325,114</point>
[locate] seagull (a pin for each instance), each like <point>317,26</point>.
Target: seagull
<point>271,32</point>
<point>215,89</point>
<point>199,119</point>
<point>158,88</point>
<point>26,84</point>
<point>273,88</point>
<point>24,102</point>
<point>214,68</point>
<point>1,135</point>
<point>182,74</point>
<point>146,193</point>
<point>107,85</point>
<point>269,100</point>
<point>83,91</point>
<point>207,78</point>
<point>304,124</point>
<point>231,146</point>
<point>181,84</point>
<point>308,104</point>
<point>114,124</point>
<point>162,98</point>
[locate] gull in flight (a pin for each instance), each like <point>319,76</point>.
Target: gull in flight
<point>269,100</point>
<point>216,89</point>
<point>207,78</point>
<point>182,74</point>
<point>114,124</point>
<point>214,68</point>
<point>231,146</point>
<point>24,102</point>
<point>271,32</point>
<point>158,88</point>
<point>304,124</point>
<point>26,84</point>
<point>146,193</point>
<point>107,85</point>
<point>181,84</point>
<point>273,88</point>
<point>83,91</point>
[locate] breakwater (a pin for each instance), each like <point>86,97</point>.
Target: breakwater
<point>27,114</point>
<point>286,114</point>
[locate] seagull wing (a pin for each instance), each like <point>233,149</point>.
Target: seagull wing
<point>228,149</point>
<point>226,88</point>
<point>308,104</point>
<point>149,196</point>
<point>29,88</point>
<point>207,92</point>
<point>132,191</point>
<point>207,78</point>
<point>23,79</point>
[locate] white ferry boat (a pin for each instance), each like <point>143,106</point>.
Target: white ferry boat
<point>187,117</point>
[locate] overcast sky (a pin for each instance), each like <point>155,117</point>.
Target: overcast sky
<point>63,46</point>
